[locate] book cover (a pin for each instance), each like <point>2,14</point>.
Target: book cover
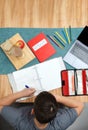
<point>41,47</point>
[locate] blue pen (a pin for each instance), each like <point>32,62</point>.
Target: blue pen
<point>27,86</point>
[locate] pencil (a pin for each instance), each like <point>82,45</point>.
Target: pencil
<point>52,39</point>
<point>60,37</point>
<point>61,46</point>
<point>70,33</point>
<point>66,32</point>
<point>59,41</point>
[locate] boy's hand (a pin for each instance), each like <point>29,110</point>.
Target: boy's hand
<point>14,96</point>
<point>57,97</point>
<point>28,92</point>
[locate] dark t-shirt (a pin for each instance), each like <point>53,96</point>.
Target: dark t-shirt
<point>21,118</point>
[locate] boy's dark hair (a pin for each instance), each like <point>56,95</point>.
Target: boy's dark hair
<point>45,107</point>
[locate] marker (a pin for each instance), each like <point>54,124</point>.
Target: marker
<point>27,86</point>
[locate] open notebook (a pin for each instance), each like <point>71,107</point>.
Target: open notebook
<point>42,76</point>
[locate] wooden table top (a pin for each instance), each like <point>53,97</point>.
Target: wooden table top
<point>42,14</point>
<point>5,89</point>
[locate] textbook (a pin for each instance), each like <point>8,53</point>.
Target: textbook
<point>74,82</point>
<point>44,76</point>
<point>41,47</point>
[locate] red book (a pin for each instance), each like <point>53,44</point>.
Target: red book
<point>41,47</point>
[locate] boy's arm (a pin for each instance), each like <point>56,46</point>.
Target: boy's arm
<point>77,105</point>
<point>5,101</point>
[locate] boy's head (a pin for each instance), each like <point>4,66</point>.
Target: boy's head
<point>45,107</point>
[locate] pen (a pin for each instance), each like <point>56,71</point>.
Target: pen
<point>27,86</point>
<point>66,32</point>
<point>60,37</point>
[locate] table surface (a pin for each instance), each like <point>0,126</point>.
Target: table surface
<point>27,33</point>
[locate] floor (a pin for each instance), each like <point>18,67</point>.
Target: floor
<point>43,13</point>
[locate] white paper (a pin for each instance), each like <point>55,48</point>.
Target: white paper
<point>42,76</point>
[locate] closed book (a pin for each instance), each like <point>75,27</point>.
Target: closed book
<point>41,47</point>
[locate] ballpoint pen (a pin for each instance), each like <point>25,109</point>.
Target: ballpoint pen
<point>27,86</point>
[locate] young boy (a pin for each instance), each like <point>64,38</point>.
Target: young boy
<point>44,114</point>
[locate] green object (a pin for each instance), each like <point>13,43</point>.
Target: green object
<point>67,35</point>
<point>27,34</point>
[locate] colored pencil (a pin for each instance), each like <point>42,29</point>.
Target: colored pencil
<point>67,35</point>
<point>54,41</point>
<point>60,37</point>
<point>70,33</point>
<point>59,41</point>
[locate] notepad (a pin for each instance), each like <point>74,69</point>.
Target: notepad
<point>44,76</point>
<point>41,47</point>
<point>74,82</point>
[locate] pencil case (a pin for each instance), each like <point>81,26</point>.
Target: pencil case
<point>74,82</point>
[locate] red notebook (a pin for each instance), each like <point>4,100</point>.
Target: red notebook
<point>41,47</point>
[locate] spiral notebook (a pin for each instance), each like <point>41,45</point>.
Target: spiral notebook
<point>43,76</point>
